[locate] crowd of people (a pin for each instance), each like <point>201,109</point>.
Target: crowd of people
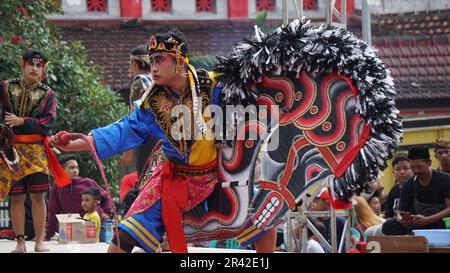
<point>419,198</point>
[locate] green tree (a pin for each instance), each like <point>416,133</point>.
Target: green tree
<point>206,62</point>
<point>83,100</point>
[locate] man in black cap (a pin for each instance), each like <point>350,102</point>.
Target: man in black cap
<point>442,154</point>
<point>424,198</point>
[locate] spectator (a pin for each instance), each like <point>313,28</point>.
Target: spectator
<point>66,199</point>
<point>377,186</point>
<point>322,203</point>
<point>313,246</point>
<point>297,225</point>
<point>424,198</point>
<point>442,154</point>
<point>365,217</point>
<point>89,200</point>
<point>402,172</point>
<point>373,201</point>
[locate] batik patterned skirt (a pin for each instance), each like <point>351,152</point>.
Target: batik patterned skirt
<point>32,159</point>
<point>144,218</point>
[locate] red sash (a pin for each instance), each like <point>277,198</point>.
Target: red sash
<point>175,197</point>
<point>61,178</point>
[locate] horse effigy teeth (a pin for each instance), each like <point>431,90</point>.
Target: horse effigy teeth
<point>264,211</point>
<point>259,225</point>
<point>272,209</point>
<point>260,217</point>
<point>277,203</point>
<point>273,199</point>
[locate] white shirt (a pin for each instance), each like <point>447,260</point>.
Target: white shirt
<point>313,247</point>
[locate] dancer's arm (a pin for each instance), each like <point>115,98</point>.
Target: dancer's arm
<point>78,145</point>
<point>128,133</point>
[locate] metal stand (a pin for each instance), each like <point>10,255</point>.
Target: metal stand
<point>301,218</point>
<point>341,15</point>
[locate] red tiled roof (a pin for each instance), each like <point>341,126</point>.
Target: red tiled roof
<point>109,43</point>
<point>420,64</point>
<point>418,23</point>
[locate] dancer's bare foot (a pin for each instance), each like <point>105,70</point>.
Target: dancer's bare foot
<point>20,247</point>
<point>165,247</point>
<point>40,247</point>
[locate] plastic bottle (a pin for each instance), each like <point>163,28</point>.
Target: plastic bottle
<point>109,231</point>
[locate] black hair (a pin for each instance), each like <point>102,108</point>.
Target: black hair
<point>66,157</point>
<point>93,192</point>
<point>29,55</point>
<point>370,196</point>
<point>318,225</point>
<point>419,152</point>
<point>179,36</point>
<point>175,35</point>
<point>441,143</point>
<point>399,157</point>
<point>137,51</point>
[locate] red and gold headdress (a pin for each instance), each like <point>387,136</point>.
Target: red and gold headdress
<point>171,44</point>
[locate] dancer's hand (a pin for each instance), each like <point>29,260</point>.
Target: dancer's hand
<point>127,158</point>
<point>59,141</point>
<point>12,120</point>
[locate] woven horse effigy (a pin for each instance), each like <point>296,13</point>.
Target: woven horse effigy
<point>336,120</point>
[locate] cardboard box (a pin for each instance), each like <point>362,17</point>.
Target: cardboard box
<point>72,228</point>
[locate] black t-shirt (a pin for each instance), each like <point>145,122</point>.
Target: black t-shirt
<point>434,193</point>
<point>392,201</point>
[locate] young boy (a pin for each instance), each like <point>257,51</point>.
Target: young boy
<point>89,201</point>
<point>402,172</point>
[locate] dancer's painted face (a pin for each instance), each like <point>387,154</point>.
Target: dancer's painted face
<point>32,71</point>
<point>163,68</point>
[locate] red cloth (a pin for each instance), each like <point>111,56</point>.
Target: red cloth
<point>174,196</point>
<point>61,178</point>
<point>175,200</point>
<point>7,234</point>
<point>127,183</point>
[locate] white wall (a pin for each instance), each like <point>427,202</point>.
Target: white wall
<point>404,6</point>
<point>277,14</point>
<point>185,10</point>
<point>77,9</point>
